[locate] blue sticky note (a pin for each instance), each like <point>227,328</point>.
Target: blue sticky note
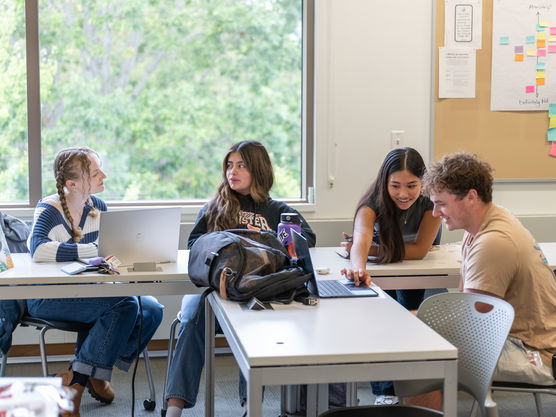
<point>504,40</point>
<point>540,66</point>
<point>540,28</point>
<point>530,39</point>
<point>551,135</point>
<point>552,109</point>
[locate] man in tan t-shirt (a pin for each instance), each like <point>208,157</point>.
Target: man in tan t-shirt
<point>499,258</point>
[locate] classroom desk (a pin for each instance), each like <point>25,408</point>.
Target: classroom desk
<point>439,269</point>
<point>335,341</point>
<point>45,280</point>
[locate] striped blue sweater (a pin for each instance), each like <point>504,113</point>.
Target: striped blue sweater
<point>51,237</point>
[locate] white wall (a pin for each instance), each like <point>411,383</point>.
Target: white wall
<point>374,75</point>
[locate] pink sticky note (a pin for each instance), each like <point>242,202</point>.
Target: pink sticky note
<point>553,30</point>
<point>541,52</point>
<point>552,49</point>
<point>553,149</point>
<point>529,88</point>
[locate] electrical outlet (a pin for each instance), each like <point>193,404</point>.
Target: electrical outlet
<point>396,138</point>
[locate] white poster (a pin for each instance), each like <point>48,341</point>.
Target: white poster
<point>456,73</point>
<point>523,55</point>
<point>463,23</point>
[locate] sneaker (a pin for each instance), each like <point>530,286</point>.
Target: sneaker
<point>386,400</point>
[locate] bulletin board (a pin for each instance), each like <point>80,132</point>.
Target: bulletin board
<point>513,142</point>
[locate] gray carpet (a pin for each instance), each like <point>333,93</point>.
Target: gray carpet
<point>227,405</point>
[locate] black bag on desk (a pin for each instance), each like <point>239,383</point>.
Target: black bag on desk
<point>241,264</point>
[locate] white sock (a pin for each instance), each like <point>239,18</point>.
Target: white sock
<point>173,411</point>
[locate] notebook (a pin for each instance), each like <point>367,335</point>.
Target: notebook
<point>140,236</point>
<point>326,288</point>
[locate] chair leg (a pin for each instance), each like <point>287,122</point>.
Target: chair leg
<point>170,354</point>
<point>538,403</point>
<point>42,345</point>
<point>149,404</point>
<point>4,364</point>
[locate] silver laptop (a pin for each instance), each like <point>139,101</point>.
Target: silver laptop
<point>326,288</point>
<point>140,238</point>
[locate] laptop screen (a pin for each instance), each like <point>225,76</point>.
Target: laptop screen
<point>304,260</point>
<point>140,235</point>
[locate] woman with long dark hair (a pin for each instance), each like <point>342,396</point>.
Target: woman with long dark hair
<point>392,222</point>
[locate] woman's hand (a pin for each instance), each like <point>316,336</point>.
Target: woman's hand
<point>347,243</point>
<point>360,277</point>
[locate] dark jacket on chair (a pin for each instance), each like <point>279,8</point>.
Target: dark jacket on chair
<point>11,311</point>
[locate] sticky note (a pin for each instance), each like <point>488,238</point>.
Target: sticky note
<point>541,36</point>
<point>540,28</point>
<point>552,123</point>
<point>552,49</point>
<point>551,135</point>
<point>518,58</point>
<point>552,38</point>
<point>552,109</point>
<point>539,81</point>
<point>531,52</point>
<point>504,40</point>
<point>541,52</point>
<point>543,22</point>
<point>518,49</point>
<point>540,74</point>
<point>541,43</point>
<point>529,89</point>
<point>541,66</point>
<point>553,149</point>
<point>530,39</point>
<point>553,30</point>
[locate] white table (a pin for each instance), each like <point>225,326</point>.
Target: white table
<point>439,269</point>
<point>45,280</point>
<point>335,341</point>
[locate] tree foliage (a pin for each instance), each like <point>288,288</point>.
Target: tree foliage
<point>160,89</point>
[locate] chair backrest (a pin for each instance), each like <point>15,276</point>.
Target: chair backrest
<point>479,336</point>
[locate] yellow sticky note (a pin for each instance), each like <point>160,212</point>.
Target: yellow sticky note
<point>541,44</point>
<point>541,36</point>
<point>540,74</point>
<point>540,81</point>
<point>518,57</point>
<point>552,122</point>
<point>531,52</point>
<point>544,22</point>
<point>552,38</point>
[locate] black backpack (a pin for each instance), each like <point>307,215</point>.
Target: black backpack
<point>241,264</point>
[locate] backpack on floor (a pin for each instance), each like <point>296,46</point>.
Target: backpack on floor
<point>241,264</point>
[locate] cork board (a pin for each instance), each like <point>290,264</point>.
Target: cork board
<point>514,143</point>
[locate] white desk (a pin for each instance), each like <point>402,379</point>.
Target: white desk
<point>45,280</point>
<point>439,269</point>
<point>335,341</point>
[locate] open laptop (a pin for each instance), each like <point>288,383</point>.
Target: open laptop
<point>325,288</point>
<point>140,238</point>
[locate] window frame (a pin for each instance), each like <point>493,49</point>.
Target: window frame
<point>307,142</point>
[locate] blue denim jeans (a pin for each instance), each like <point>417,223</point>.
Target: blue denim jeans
<point>114,337</point>
<point>410,299</point>
<point>189,355</point>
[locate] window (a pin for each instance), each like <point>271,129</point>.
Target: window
<point>160,90</point>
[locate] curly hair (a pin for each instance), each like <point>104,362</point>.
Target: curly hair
<point>223,209</point>
<point>457,174</point>
<point>72,164</point>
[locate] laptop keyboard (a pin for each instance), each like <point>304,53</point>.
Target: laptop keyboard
<point>331,288</point>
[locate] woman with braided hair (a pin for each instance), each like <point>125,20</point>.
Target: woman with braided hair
<point>65,228</point>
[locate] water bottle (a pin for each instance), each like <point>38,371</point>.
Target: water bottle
<point>288,222</point>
